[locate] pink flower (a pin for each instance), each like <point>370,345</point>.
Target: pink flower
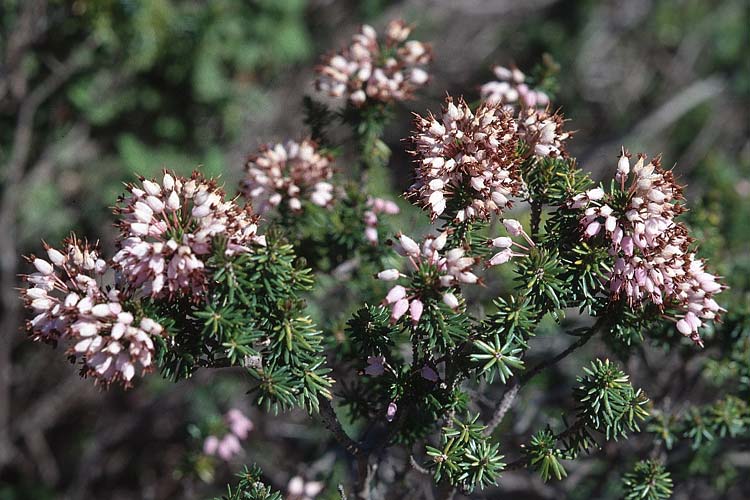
<point>288,174</point>
<point>513,227</point>
<point>623,166</point>
<point>385,70</point>
<point>500,258</point>
<point>502,242</point>
<point>408,246</point>
<point>371,235</point>
<point>505,243</point>
<point>459,146</point>
<point>399,309</point>
<point>238,423</point>
<point>543,132</point>
<point>210,445</point>
<point>388,275</point>
<point>451,268</point>
<point>229,447</point>
<point>377,206</point>
<point>510,89</point>
<point>450,300</point>
<point>395,294</point>
<point>167,231</point>
<point>299,489</point>
<point>652,253</point>
<point>72,305</point>
<point>390,413</point>
<point>375,366</point>
<point>415,309</point>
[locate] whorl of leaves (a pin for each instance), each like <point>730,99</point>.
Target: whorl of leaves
<point>543,455</point>
<point>466,458</point>
<point>607,404</point>
<point>250,487</point>
<point>648,480</point>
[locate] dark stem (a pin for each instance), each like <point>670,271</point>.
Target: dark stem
<point>536,218</point>
<point>331,421</point>
<point>527,376</point>
<point>510,395</point>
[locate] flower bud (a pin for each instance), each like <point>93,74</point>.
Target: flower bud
<point>395,294</point>
<point>151,187</point>
<point>415,310</point>
<point>43,266</point>
<point>623,164</point>
<point>409,245</point>
<point>390,413</point>
<point>595,194</point>
<point>389,275</point>
<point>100,310</point>
<point>399,309</point>
<point>450,300</point>
<point>439,242</point>
<point>502,242</point>
<point>513,227</point>
<point>501,258</point>
<point>55,256</point>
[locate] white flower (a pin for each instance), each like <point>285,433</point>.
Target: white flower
<point>389,275</point>
<point>468,156</point>
<point>162,251</point>
<point>288,173</point>
<point>651,249</point>
<point>510,89</point>
<point>385,70</point>
<point>74,308</point>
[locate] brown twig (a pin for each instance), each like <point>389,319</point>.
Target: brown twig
<point>331,421</point>
<point>415,465</point>
<point>503,407</point>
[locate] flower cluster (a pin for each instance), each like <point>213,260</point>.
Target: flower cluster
<point>288,173</point>
<point>71,305</point>
<point>652,251</point>
<point>228,446</point>
<point>508,248</point>
<point>168,228</point>
<point>510,88</point>
<point>466,161</point>
<point>543,132</point>
<point>391,70</point>
<point>377,206</point>
<point>435,274</point>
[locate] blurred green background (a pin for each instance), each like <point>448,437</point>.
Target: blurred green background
<point>93,92</point>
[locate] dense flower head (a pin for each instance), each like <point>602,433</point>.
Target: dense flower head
<point>288,174</point>
<point>385,70</point>
<point>465,161</point>
<point>169,228</point>
<point>511,88</point>
<point>652,253</point>
<point>71,305</point>
<point>377,206</point>
<point>543,131</point>
<point>435,273</point>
